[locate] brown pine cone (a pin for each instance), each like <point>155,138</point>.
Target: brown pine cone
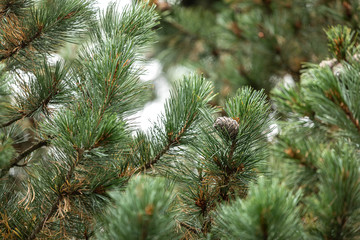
<point>227,125</point>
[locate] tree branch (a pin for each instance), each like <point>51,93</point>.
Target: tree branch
<point>158,156</point>
<point>171,141</point>
<point>46,217</point>
<point>17,159</point>
<point>350,115</point>
<point>232,150</point>
<point>335,97</point>
<point>223,188</point>
<point>26,41</point>
<point>12,121</point>
<point>4,9</point>
<point>54,207</point>
<point>45,102</point>
<point>23,44</point>
<point>190,228</point>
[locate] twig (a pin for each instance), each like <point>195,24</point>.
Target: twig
<point>14,161</point>
<point>188,227</point>
<point>54,207</point>
<point>42,223</point>
<point>4,9</point>
<point>350,115</point>
<point>43,103</point>
<point>12,121</point>
<point>334,96</point>
<point>23,44</point>
<point>171,141</point>
<point>223,188</point>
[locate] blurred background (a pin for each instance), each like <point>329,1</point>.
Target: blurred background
<point>238,42</point>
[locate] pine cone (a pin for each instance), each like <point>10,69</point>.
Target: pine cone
<point>227,125</point>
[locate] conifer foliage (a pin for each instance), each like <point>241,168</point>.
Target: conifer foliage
<point>248,42</point>
<point>66,143</point>
<point>72,166</point>
<point>76,109</point>
<point>319,140</point>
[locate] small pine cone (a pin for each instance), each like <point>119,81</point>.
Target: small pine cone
<point>227,125</point>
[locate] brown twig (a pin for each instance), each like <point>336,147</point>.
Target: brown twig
<point>335,97</point>
<point>232,150</point>
<point>54,207</point>
<point>23,44</point>
<point>158,156</point>
<point>14,161</point>
<point>171,141</point>
<point>350,115</point>
<point>190,228</point>
<point>45,102</point>
<point>14,120</point>
<point>4,9</point>
<point>46,217</point>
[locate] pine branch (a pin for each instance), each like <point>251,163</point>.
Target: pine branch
<point>14,161</point>
<point>4,8</point>
<point>43,103</point>
<point>42,29</point>
<point>46,217</point>
<point>350,115</point>
<point>232,150</point>
<point>333,96</point>
<point>186,105</point>
<point>29,114</point>
<point>117,84</point>
<point>110,85</point>
<point>171,141</point>
<point>223,188</point>
<point>156,158</point>
<point>152,217</point>
<point>16,7</point>
<point>24,43</point>
<point>270,212</point>
<point>54,207</point>
<point>14,120</point>
<point>190,228</point>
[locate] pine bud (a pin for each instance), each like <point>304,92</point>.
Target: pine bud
<point>227,125</point>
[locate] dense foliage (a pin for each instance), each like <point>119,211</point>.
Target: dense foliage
<point>247,42</point>
<point>73,166</point>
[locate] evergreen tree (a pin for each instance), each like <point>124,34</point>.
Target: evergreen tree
<point>76,109</point>
<point>319,140</point>
<point>74,167</point>
<point>247,42</point>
